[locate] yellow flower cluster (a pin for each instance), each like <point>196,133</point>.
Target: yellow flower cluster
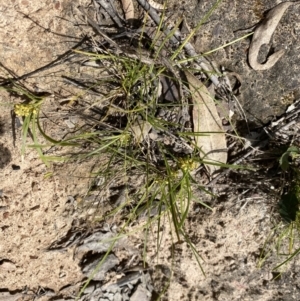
<point>25,109</point>
<point>188,164</point>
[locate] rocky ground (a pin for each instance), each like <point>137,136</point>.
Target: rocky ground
<point>40,206</point>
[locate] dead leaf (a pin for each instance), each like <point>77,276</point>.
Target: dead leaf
<point>140,130</point>
<point>128,9</point>
<point>263,34</point>
<point>207,121</point>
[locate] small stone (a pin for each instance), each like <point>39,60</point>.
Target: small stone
<point>141,294</point>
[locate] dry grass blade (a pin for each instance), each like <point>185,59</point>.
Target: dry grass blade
<point>210,137</point>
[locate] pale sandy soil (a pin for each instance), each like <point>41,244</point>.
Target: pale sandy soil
<point>34,208</point>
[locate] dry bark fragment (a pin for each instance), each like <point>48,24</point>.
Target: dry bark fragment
<point>263,34</point>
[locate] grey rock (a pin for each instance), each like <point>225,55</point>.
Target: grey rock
<point>97,242</point>
<point>263,94</point>
<point>110,262</point>
<point>141,294</point>
<point>118,297</point>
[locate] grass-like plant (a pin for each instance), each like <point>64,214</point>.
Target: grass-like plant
<point>28,112</point>
<point>127,111</point>
<point>285,236</point>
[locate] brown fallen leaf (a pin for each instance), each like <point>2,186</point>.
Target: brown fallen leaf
<point>207,121</point>
<point>140,130</point>
<point>263,34</point>
<point>128,9</point>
